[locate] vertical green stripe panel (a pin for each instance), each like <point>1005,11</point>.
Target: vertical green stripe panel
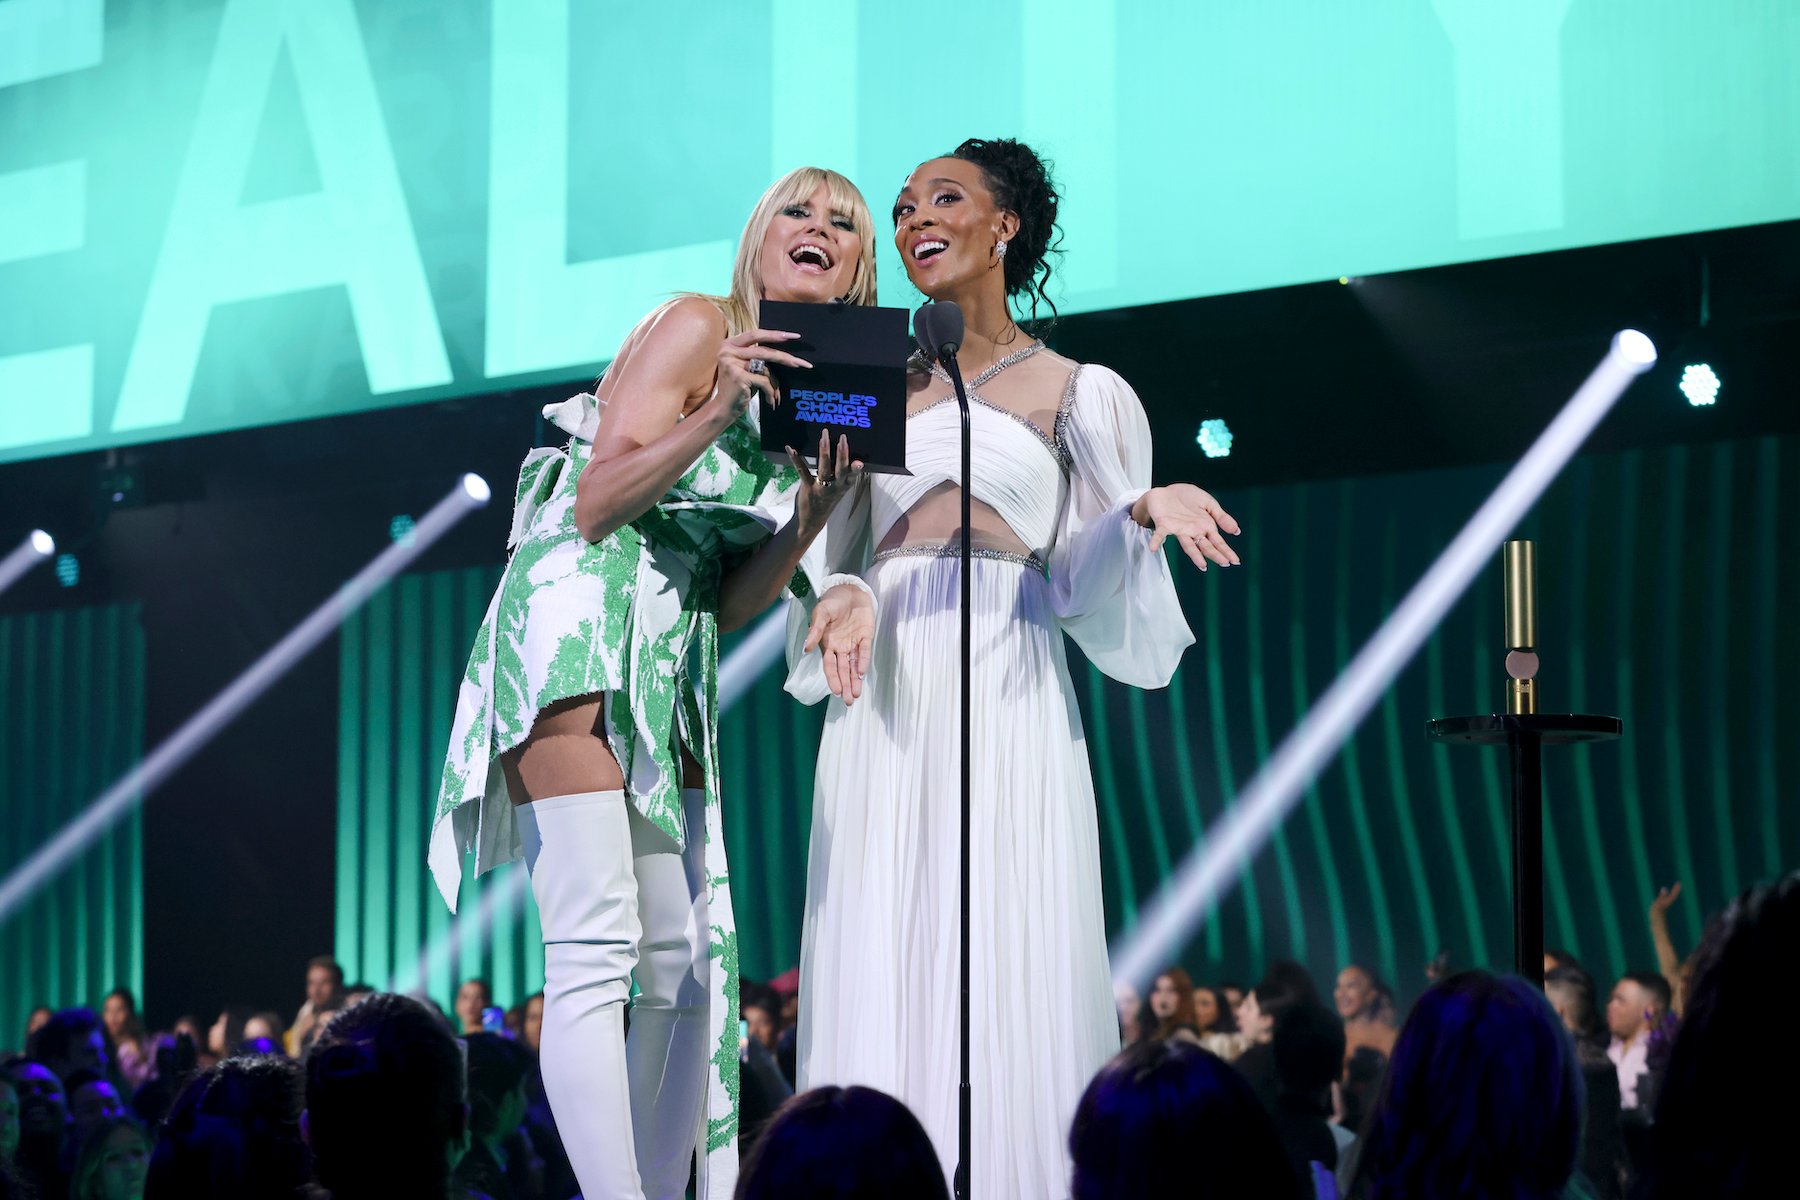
<point>1256,706</point>
<point>1763,579</point>
<point>1577,558</point>
<point>1221,714</point>
<point>1374,870</point>
<point>378,798</point>
<point>444,620</point>
<point>58,797</point>
<point>1324,849</point>
<point>1677,716</point>
<point>1717,678</point>
<point>1397,787</point>
<point>1449,802</point>
<point>413,635</point>
<point>348,916</point>
<point>1639,740</point>
<point>1186,781</point>
<point>1124,896</point>
<point>1144,770</point>
<point>130,648</point>
<point>71,722</point>
<point>76,669</point>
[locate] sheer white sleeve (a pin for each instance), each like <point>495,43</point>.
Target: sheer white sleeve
<point>840,555</point>
<point>1114,595</point>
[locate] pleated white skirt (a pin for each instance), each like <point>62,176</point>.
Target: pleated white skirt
<point>879,963</point>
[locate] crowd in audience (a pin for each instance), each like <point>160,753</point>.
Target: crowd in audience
<point>1490,1088</point>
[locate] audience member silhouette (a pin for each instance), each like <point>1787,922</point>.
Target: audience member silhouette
<point>837,1143</point>
<point>385,1113</point>
<point>498,1068</point>
<point>1482,1099</point>
<point>233,1134</point>
<point>1571,994</point>
<point>1309,1058</point>
<point>1727,1107</point>
<point>1166,1118</point>
<point>43,1127</point>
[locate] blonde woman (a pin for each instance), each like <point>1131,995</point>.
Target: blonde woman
<point>585,737</point>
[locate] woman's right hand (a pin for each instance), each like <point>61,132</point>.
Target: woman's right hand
<point>843,626</point>
<point>734,383</point>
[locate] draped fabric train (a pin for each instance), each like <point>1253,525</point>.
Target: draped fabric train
<point>879,959</point>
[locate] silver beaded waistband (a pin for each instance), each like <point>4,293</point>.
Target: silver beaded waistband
<point>954,550</point>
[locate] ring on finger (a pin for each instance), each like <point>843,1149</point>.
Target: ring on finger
<point>758,367</point>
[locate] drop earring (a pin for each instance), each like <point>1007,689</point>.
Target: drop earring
<point>1000,248</point>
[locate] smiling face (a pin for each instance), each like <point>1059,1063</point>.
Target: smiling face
<point>946,225</point>
<point>124,1164</point>
<point>810,251</point>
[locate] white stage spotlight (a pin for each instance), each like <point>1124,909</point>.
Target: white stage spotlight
<point>36,547</point>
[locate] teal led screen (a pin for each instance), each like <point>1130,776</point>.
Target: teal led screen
<point>222,213</point>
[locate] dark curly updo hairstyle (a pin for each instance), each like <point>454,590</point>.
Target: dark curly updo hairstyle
<point>1020,182</point>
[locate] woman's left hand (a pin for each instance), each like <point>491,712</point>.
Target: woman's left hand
<point>1193,518</point>
<point>820,493</point>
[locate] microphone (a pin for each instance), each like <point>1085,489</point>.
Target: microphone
<point>939,328</point>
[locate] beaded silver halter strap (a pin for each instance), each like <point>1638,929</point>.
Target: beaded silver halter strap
<point>1048,442</point>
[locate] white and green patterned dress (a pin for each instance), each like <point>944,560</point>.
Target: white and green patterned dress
<point>633,615</point>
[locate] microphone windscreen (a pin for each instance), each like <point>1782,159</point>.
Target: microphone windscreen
<point>947,326</point>
<point>923,331</point>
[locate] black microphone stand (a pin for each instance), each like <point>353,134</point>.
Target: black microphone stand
<point>964,1113</point>
<point>939,326</point>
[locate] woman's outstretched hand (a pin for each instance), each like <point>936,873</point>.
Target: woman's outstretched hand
<point>843,626</point>
<point>821,491</point>
<point>1193,518</point>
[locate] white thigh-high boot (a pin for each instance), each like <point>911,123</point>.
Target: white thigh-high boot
<point>578,849</point>
<point>666,1052</point>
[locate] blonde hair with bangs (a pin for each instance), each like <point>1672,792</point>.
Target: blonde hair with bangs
<point>796,187</point>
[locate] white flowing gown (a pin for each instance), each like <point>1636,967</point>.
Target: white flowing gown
<point>879,970</point>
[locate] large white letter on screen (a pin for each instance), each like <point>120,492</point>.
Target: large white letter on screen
<point>355,232</point>
<point>542,310</point>
<point>1509,114</point>
<point>46,395</point>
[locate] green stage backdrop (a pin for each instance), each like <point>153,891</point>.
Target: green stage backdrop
<point>1668,580</point>
<point>219,213</point>
<point>71,722</point>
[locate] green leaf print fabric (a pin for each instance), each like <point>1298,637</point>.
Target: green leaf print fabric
<point>625,616</point>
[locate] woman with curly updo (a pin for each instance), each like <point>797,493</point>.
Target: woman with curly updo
<point>1066,534</point>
